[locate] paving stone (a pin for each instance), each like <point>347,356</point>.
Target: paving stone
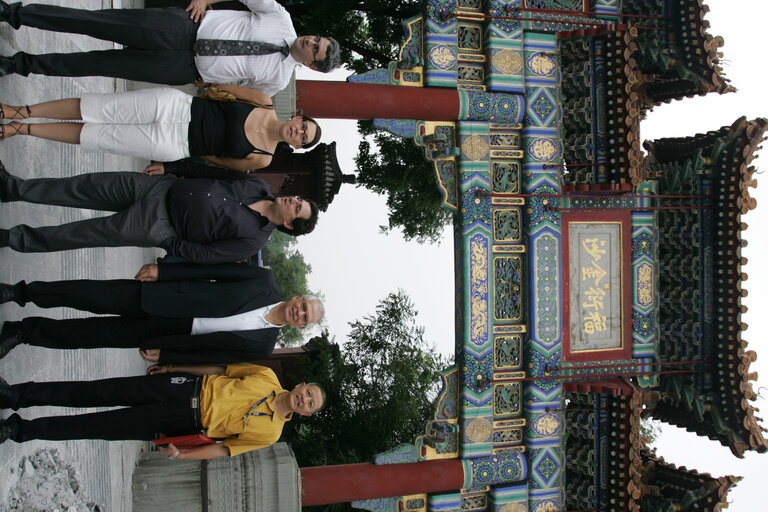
<point>104,468</point>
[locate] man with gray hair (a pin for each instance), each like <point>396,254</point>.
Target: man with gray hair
<point>175,313</point>
<point>174,46</point>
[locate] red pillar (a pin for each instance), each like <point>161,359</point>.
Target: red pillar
<point>343,100</point>
<point>323,485</point>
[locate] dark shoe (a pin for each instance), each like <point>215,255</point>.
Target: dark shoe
<point>8,293</point>
<point>4,237</point>
<point>7,64</point>
<point>5,11</point>
<point>9,429</point>
<point>5,179</point>
<point>10,336</point>
<point>6,395</point>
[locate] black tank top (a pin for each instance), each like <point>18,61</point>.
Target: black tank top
<point>218,128</point>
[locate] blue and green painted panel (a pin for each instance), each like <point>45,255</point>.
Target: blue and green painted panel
<point>445,502</point>
<point>542,143</point>
<point>505,62</point>
<point>512,498</point>
<point>440,44</point>
<point>504,467</point>
<point>645,271</point>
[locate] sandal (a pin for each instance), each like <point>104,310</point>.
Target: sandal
<point>16,126</point>
<point>17,112</point>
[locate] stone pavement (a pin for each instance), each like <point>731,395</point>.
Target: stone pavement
<point>104,468</point>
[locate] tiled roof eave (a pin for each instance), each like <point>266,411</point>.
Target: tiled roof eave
<point>737,360</point>
<point>704,49</point>
<point>723,484</point>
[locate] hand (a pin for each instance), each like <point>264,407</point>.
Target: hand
<point>196,9</point>
<point>168,450</point>
<point>151,355</point>
<point>147,273</point>
<point>200,83</point>
<point>157,369</point>
<point>155,169</point>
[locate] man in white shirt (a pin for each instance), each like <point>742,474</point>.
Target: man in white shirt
<point>174,313</point>
<point>160,44</point>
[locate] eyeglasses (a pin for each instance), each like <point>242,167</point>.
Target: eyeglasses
<point>305,316</point>
<point>304,137</point>
<point>316,48</point>
<point>299,204</point>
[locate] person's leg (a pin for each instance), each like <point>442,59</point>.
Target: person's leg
<point>119,391</point>
<point>162,29</point>
<point>106,191</point>
<point>68,133</point>
<point>99,332</point>
<point>68,108</point>
<point>170,67</point>
<point>117,230</point>
<point>143,221</point>
<point>143,106</point>
<point>148,123</point>
<point>142,423</point>
<point>156,403</point>
<point>110,297</point>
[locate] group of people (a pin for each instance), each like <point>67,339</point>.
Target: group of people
<point>199,321</point>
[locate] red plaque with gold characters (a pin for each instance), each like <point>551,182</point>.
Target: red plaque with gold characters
<point>597,301</point>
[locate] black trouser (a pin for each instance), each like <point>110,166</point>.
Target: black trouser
<point>105,297</point>
<point>102,332</point>
<point>155,404</point>
<point>158,43</point>
<point>113,297</point>
<point>141,217</point>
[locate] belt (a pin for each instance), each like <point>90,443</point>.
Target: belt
<point>194,403</point>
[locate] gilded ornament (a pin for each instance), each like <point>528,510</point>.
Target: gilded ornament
<point>479,290</point>
<point>541,64</point>
<point>474,147</point>
<point>478,430</point>
<point>514,507</point>
<point>543,150</point>
<point>508,62</point>
<point>546,506</point>
<point>442,56</point>
<point>546,425</point>
<point>645,284</point>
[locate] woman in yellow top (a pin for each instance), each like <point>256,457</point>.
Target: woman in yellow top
<point>243,404</point>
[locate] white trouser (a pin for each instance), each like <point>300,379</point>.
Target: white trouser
<point>148,123</point>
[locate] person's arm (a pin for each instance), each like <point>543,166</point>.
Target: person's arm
<point>197,8</point>
<point>231,272</point>
<point>210,451</point>
<point>221,251</point>
<point>194,369</point>
<point>249,163</point>
<point>191,168</point>
<point>216,348</point>
<point>246,94</point>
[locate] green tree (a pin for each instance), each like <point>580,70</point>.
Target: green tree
<point>291,271</point>
<point>381,385</point>
<point>400,171</point>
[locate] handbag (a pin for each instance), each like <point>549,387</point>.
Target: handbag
<point>189,441</point>
<point>216,94</point>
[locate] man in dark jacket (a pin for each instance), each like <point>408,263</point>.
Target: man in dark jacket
<point>174,313</point>
<point>200,220</point>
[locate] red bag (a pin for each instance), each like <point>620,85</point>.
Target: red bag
<point>189,441</point>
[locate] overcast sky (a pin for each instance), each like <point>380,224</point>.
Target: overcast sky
<point>355,266</point>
